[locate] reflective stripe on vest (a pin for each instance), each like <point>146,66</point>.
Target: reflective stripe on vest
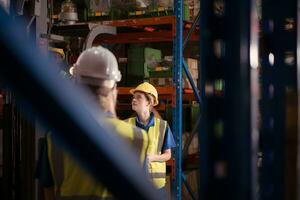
<point>156,134</point>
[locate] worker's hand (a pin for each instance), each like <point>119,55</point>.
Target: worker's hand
<point>150,158</point>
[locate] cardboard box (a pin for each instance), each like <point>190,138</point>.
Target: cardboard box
<point>161,82</point>
<point>193,67</point>
<point>186,83</point>
<point>194,146</point>
<point>192,179</point>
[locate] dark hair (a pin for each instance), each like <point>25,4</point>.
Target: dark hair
<point>148,96</point>
<point>97,90</point>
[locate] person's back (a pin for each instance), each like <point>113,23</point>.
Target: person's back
<point>69,177</point>
<point>97,70</point>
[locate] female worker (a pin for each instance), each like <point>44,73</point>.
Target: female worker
<point>161,140</point>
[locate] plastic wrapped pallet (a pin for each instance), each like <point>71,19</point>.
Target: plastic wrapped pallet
<point>131,4</point>
<point>165,3</point>
<point>143,4</point>
<point>152,57</point>
<point>100,5</point>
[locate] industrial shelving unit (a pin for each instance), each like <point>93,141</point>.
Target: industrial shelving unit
<point>227,94</point>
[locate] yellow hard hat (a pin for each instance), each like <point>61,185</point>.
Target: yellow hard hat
<point>58,50</point>
<point>147,88</point>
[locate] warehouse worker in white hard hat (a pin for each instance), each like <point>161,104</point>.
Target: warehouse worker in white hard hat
<point>161,140</point>
<point>97,69</point>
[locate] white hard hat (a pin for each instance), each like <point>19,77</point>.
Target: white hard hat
<point>96,65</point>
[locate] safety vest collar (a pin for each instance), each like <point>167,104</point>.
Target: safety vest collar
<point>142,126</point>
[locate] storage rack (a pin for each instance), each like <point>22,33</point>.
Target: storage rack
<point>220,168</point>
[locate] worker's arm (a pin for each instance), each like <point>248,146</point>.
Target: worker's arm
<point>162,157</point>
<point>49,193</point>
<point>168,144</point>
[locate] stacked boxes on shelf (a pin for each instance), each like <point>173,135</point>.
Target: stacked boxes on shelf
<point>191,9</point>
<point>146,64</point>
<point>164,78</point>
<point>196,8</point>
<point>96,10</point>
<point>161,78</point>
<point>193,68</point>
<point>152,8</point>
<point>140,61</point>
<point>99,10</point>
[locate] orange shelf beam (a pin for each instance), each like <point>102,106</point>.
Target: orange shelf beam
<point>160,90</point>
<point>140,37</point>
<point>143,22</point>
<point>157,35</point>
<point>167,93</point>
<point>147,30</point>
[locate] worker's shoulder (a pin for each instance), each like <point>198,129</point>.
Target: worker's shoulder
<point>130,119</point>
<point>160,120</point>
<point>117,122</point>
<point>123,125</point>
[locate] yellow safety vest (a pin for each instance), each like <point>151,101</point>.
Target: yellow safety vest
<point>156,134</point>
<point>71,182</point>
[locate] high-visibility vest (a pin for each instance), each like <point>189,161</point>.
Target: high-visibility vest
<point>72,182</point>
<point>156,134</point>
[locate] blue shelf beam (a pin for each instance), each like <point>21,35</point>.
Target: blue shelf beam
<point>190,78</point>
<point>177,79</point>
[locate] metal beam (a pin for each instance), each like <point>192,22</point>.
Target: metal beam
<point>177,79</point>
<point>190,78</point>
<point>189,34</point>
